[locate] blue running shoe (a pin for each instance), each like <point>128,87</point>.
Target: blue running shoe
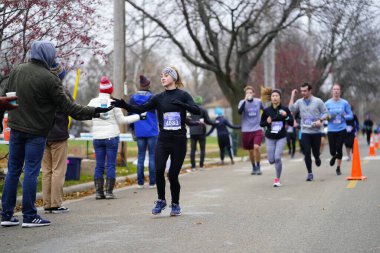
<point>310,177</point>
<point>160,205</point>
<point>9,221</point>
<point>176,210</point>
<point>36,221</point>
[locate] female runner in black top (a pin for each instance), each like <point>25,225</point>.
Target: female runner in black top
<point>171,106</point>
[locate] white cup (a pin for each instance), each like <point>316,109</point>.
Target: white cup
<point>11,94</point>
<point>103,104</point>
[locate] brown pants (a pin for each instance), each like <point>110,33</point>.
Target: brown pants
<point>54,166</point>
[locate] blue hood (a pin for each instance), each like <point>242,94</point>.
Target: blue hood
<point>43,51</point>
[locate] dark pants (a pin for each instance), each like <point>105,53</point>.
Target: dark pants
<point>202,143</point>
<point>175,147</point>
<point>224,143</point>
<point>291,142</point>
<point>368,133</point>
<point>336,140</point>
<point>310,143</point>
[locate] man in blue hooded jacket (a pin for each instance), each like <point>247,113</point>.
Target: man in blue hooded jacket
<point>146,132</point>
<point>39,94</point>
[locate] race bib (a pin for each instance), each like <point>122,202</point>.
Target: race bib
<point>276,126</point>
<point>252,112</point>
<point>172,120</point>
<point>308,121</point>
<point>290,129</point>
<point>337,119</point>
<point>349,129</point>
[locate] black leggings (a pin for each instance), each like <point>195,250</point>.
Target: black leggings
<point>224,142</point>
<point>202,143</point>
<point>310,143</point>
<point>336,140</point>
<point>175,147</point>
<point>291,141</point>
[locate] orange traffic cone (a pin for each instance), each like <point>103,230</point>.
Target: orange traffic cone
<point>356,170</point>
<point>377,141</point>
<point>372,150</point>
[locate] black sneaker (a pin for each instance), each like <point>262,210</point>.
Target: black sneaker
<point>47,210</point>
<point>318,162</point>
<point>37,221</point>
<point>9,221</point>
<point>332,161</point>
<point>61,209</point>
<point>338,172</point>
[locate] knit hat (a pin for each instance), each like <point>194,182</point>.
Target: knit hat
<point>218,111</point>
<point>58,70</point>
<point>105,85</point>
<point>144,82</point>
<point>198,100</point>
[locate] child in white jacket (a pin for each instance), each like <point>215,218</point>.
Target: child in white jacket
<point>105,131</point>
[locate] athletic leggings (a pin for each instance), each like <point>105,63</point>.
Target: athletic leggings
<point>274,150</point>
<point>336,140</point>
<point>202,143</point>
<point>175,147</point>
<point>310,143</point>
<point>291,141</point>
<point>224,142</point>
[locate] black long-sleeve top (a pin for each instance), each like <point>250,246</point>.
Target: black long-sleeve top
<point>171,117</point>
<point>276,130</point>
<point>221,125</point>
<point>200,129</point>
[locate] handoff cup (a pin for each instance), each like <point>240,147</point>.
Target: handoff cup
<point>11,94</point>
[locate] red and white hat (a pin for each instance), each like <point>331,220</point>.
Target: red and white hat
<point>105,85</point>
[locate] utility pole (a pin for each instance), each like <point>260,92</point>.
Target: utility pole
<point>119,59</point>
<point>269,65</point>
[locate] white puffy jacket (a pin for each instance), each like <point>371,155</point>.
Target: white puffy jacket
<point>104,128</point>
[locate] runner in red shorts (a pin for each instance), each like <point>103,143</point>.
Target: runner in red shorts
<point>252,133</point>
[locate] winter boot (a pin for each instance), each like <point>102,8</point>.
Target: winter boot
<point>110,184</point>
<point>99,185</point>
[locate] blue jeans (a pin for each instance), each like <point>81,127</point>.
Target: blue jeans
<point>142,144</point>
<point>25,151</point>
<point>106,149</point>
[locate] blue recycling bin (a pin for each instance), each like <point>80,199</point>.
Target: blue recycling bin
<point>73,168</point>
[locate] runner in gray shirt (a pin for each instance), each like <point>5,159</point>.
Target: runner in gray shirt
<point>312,112</point>
<point>252,134</point>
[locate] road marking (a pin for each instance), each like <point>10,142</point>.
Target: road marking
<point>371,158</point>
<point>352,184</point>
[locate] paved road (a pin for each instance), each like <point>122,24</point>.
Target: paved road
<point>224,210</point>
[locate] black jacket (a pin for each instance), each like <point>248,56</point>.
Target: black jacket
<point>276,130</point>
<point>221,125</point>
<point>60,130</point>
<point>200,129</point>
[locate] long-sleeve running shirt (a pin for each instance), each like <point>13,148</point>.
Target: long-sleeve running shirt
<point>171,117</point>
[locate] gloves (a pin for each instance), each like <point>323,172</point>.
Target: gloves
<point>103,110</point>
<point>143,116</point>
<point>6,105</point>
<point>120,103</point>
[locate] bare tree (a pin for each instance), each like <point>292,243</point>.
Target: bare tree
<point>338,22</point>
<point>232,34</point>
